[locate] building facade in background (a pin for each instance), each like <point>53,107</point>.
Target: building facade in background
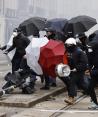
<point>13,12</point>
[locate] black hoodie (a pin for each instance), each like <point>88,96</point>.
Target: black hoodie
<point>20,42</point>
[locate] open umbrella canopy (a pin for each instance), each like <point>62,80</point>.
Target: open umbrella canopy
<point>32,25</point>
<point>57,24</point>
<point>50,55</point>
<point>79,24</point>
<point>33,53</point>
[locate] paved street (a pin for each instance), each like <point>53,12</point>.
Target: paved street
<point>57,108</point>
<point>10,103</point>
<point>44,103</point>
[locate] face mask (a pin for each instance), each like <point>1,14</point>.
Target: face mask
<point>15,34</point>
<point>70,48</point>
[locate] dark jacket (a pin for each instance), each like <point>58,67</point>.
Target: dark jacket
<point>20,43</point>
<point>78,59</point>
<point>93,55</point>
<point>83,47</point>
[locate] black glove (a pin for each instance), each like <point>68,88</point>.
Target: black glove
<point>42,78</point>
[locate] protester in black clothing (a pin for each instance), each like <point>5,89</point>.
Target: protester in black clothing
<point>20,42</point>
<point>9,44</point>
<point>78,62</point>
<point>26,71</point>
<point>93,59</point>
<point>24,79</point>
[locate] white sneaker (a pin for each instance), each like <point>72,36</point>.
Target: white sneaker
<point>93,106</point>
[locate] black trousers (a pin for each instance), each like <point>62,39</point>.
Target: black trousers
<point>49,80</point>
<point>16,61</point>
<point>66,81</point>
<point>77,80</point>
<point>26,69</point>
<point>94,75</point>
<point>92,93</point>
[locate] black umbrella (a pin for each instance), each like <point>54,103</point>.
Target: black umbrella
<point>56,24</point>
<point>33,25</point>
<point>79,24</point>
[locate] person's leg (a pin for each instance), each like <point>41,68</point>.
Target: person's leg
<point>71,88</point>
<point>32,79</point>
<point>94,76</point>
<point>92,93</point>
<point>8,78</point>
<point>52,81</point>
<point>29,75</point>
<point>7,84</point>
<point>16,62</point>
<point>47,83</point>
<point>72,91</point>
<point>89,89</point>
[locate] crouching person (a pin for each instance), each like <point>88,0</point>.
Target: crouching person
<point>24,79</point>
<point>17,79</point>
